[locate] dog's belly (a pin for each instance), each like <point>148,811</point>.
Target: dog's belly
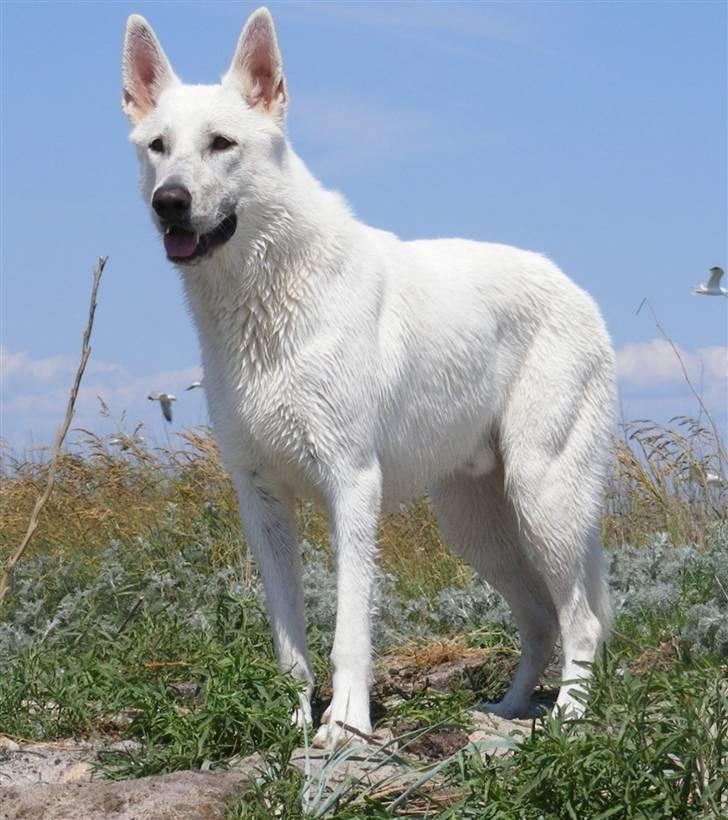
<point>446,426</point>
<point>412,459</point>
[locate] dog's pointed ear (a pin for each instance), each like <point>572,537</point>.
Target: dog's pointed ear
<point>145,69</point>
<point>257,67</point>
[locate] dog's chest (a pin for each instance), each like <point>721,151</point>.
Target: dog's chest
<point>250,385</point>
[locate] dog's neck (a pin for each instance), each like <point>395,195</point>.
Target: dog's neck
<point>263,278</point>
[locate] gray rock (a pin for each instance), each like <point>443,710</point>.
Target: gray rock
<point>177,796</point>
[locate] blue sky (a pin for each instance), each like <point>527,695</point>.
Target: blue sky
<point>594,132</point>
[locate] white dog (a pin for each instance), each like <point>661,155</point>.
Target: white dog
<point>345,365</point>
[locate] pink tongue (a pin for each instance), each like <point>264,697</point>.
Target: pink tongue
<point>180,244</point>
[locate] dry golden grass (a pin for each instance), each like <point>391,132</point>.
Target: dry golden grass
<point>120,491</point>
<point>105,491</point>
<point>656,659</point>
<point>120,488</point>
<point>665,479</point>
<point>426,654</point>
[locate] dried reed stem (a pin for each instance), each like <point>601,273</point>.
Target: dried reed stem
<point>60,435</point>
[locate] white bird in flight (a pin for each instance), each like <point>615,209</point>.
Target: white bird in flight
<point>125,442</point>
<point>712,288</point>
<point>165,402</point>
<point>194,385</point>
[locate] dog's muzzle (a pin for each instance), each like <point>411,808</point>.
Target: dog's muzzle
<point>173,204</point>
<point>184,245</point>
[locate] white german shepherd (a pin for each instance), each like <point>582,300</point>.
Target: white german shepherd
<point>347,366</point>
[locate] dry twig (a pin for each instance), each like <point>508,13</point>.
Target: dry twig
<point>60,435</point>
<point>167,664</point>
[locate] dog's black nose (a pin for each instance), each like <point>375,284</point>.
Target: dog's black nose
<point>172,203</point>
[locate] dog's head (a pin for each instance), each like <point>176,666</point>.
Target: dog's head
<point>210,155</point>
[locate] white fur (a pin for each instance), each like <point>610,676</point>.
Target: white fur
<point>347,366</point>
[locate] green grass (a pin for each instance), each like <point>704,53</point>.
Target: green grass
<point>139,615</point>
<point>164,647</point>
<point>192,697</point>
<point>652,746</point>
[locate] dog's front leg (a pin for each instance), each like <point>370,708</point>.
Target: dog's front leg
<point>268,517</point>
<point>354,512</point>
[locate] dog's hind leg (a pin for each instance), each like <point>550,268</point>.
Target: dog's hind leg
<point>584,620</point>
<point>268,518</point>
<point>554,444</point>
<point>479,522</point>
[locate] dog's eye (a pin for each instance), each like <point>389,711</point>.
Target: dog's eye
<point>221,144</point>
<point>156,145</point>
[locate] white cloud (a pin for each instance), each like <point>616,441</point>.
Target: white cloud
<point>21,368</point>
<point>656,363</point>
<point>653,385</point>
<point>35,394</point>
<point>35,390</point>
<point>21,365</point>
<point>127,392</point>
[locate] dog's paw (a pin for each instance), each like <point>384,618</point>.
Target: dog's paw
<point>334,735</point>
<point>568,706</point>
<point>301,717</point>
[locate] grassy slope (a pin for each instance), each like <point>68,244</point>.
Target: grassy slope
<point>161,635</point>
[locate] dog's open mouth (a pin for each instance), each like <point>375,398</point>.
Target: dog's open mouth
<point>183,245</point>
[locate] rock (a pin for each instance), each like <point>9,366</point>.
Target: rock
<point>177,796</point>
<point>495,735</point>
<point>368,765</point>
<point>26,763</point>
<point>83,770</point>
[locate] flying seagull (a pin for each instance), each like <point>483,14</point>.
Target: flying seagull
<point>713,287</point>
<point>125,442</point>
<point>194,385</point>
<point>165,402</point>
